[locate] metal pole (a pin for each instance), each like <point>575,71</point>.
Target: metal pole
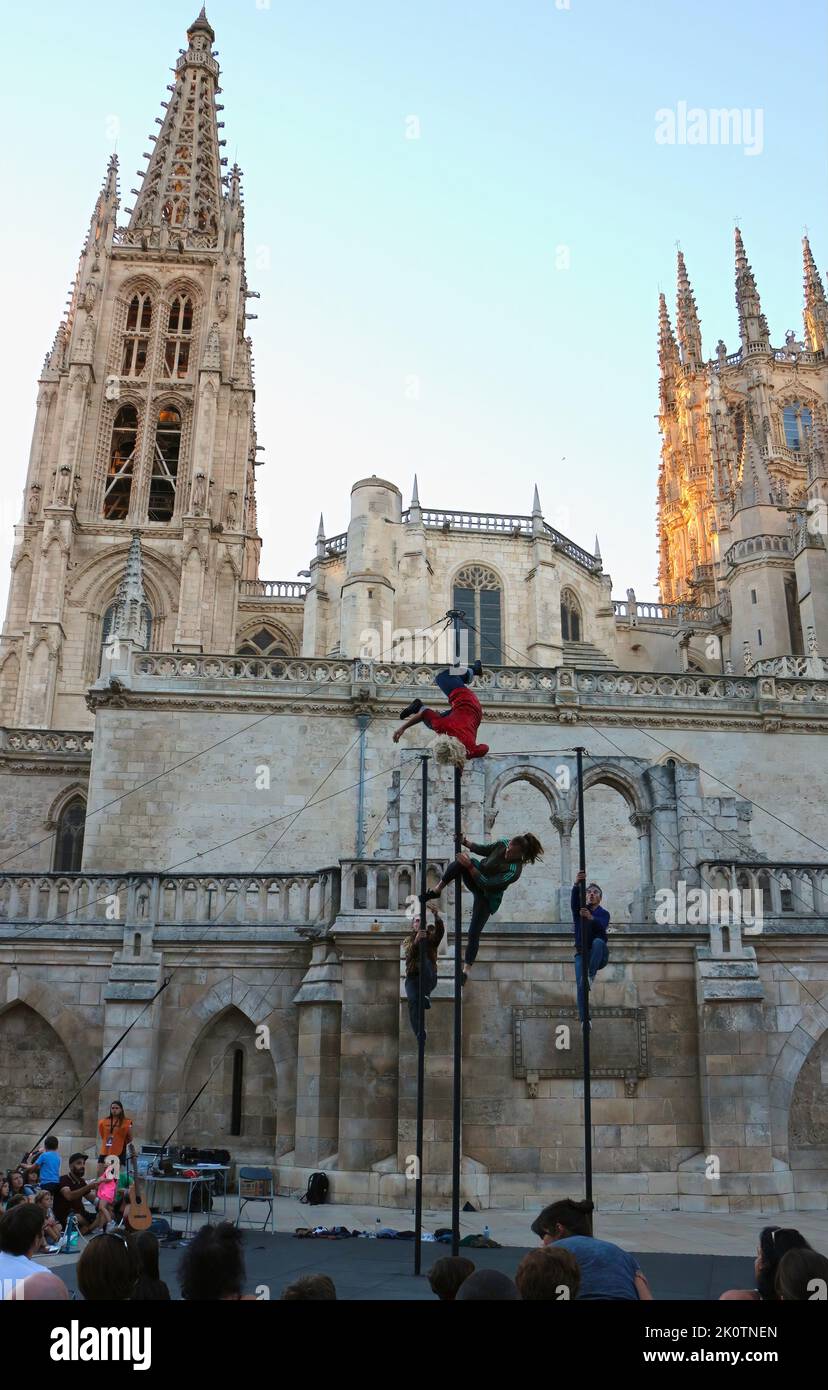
<point>418,1181</point>
<point>579,752</point>
<point>457,1122</point>
<point>457,1097</point>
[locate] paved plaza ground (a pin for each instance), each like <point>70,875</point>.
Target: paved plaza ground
<point>684,1255</point>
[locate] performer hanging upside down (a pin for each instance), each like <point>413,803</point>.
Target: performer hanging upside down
<point>433,935</point>
<point>594,920</point>
<point>487,879</point>
<point>460,722</point>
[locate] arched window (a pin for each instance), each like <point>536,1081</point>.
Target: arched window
<point>477,594</point>
<point>166,449</point>
<point>237,1099</point>
<point>69,836</point>
<point>797,421</point>
<point>571,626</point>
<point>109,622</point>
<point>121,464</point>
<point>179,335</point>
<point>263,643</point>
<point>136,337</point>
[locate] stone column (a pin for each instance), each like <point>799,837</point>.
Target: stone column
<point>319,1003</point>
<point>564,826</point>
<point>129,1074</point>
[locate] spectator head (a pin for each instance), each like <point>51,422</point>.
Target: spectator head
<point>77,1165</point>
<point>562,1219</point>
<point>446,1276</point>
<point>44,1288</point>
<point>17,1201</point>
<point>43,1199</point>
<point>146,1247</point>
<point>108,1270</point>
<point>548,1276</point>
<point>314,1288</point>
<point>802,1275</point>
<point>50,1142</point>
<point>21,1229</point>
<point>774,1242</point>
<point>487,1286</point>
<point>212,1266</point>
<point>16,1183</point>
<point>4,1189</point>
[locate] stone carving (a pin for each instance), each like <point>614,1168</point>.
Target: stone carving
<point>33,505</point>
<point>547,1042</point>
<point>199,494</point>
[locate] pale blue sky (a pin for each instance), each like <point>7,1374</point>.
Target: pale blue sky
<point>381,259</point>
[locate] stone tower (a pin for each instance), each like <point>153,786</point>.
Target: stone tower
<point>144,421</point>
<point>742,488</point>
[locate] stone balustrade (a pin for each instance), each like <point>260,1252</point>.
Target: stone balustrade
<point>47,742</point>
<point>282,899</point>
<point>559,685</point>
<point>814,666</point>
<point>666,614</point>
<point>793,888</point>
<point>273,588</point>
<point>388,885</point>
<point>752,546</point>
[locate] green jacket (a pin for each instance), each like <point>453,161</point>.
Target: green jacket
<point>495,872</point>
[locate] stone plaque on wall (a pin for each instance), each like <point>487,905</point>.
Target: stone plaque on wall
<point>548,1041</point>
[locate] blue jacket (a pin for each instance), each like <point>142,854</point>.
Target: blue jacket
<point>598,925</point>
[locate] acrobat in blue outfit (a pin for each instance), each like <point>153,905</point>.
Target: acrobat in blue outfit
<point>595,920</point>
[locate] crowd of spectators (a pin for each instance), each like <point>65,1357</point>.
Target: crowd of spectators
<point>569,1264</point>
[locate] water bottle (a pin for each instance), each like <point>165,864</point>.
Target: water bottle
<point>487,1235</point>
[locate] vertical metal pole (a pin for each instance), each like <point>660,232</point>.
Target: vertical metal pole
<point>363,721</point>
<point>418,1181</point>
<point>457,1097</point>
<point>579,752</point>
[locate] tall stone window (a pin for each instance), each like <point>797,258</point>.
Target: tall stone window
<point>237,1093</point>
<point>264,642</point>
<point>571,624</point>
<point>121,464</point>
<point>478,595</point>
<point>165,454</point>
<point>179,338</point>
<point>69,836</point>
<point>136,335</point>
<point>797,420</point>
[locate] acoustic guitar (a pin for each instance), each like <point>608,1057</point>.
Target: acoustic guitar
<point>137,1214</point>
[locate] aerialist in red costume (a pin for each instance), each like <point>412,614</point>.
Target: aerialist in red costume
<point>461,721</point>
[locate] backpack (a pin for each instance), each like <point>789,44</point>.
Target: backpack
<point>317,1190</point>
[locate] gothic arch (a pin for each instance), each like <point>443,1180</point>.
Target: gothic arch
<point>627,783</point>
<point>281,634</point>
<point>73,1034</point>
<point>62,800</point>
<point>810,1030</point>
<point>93,584</point>
<point>536,777</point>
<point>213,1055</point>
<point>140,283</point>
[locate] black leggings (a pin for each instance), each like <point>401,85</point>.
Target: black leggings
<point>481,911</point>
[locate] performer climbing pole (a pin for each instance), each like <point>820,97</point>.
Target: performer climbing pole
<point>581,881</point>
<point>457,726</point>
<point>421,1039</point>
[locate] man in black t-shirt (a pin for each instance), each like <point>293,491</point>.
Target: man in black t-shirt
<point>72,1188</point>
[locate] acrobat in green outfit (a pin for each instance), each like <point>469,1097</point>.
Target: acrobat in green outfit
<point>487,879</point>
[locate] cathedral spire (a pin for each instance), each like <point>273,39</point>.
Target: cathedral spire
<point>131,608</point>
<point>180,194</point>
<point>668,358</point>
<point>816,307</point>
<point>687,319</point>
<point>753,326</point>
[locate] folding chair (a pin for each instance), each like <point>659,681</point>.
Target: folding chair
<point>256,1185</point>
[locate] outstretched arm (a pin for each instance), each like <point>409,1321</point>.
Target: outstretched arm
<point>408,724</point>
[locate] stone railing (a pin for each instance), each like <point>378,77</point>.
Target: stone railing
<point>337,545</point>
<point>559,685</point>
<point>31,742</point>
<point>390,885</point>
<point>757,545</point>
<point>666,614</point>
<point>506,524</point>
<point>816,667</point>
<point>281,899</point>
<point>273,588</point>
<point>783,888</point>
